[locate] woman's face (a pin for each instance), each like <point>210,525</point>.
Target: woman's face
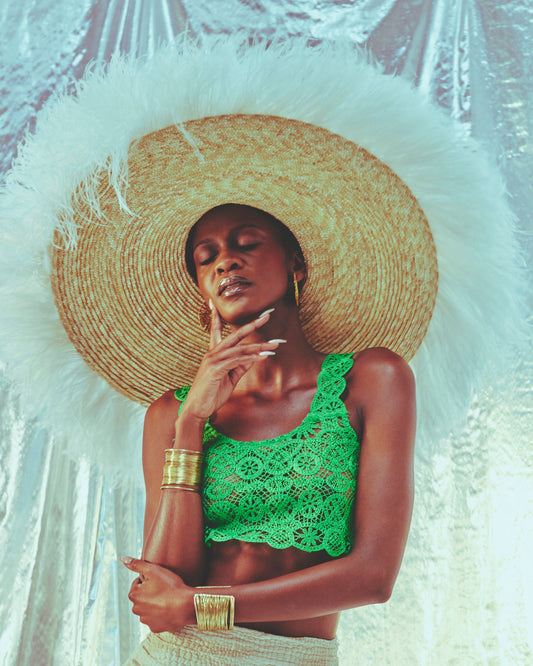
<point>240,261</point>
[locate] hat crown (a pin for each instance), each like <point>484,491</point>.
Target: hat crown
<point>124,294</point>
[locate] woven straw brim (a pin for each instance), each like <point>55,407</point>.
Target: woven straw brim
<point>131,309</point>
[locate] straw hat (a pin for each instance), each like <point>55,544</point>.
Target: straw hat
<point>129,305</point>
<point>97,311</point>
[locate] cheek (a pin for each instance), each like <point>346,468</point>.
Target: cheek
<point>276,259</point>
<point>277,271</point>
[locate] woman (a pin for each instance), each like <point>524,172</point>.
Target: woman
<point>101,316</point>
<point>253,385</point>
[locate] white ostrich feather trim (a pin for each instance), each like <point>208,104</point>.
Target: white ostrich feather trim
<point>479,308</point>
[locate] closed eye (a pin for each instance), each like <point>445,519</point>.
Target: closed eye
<point>205,259</point>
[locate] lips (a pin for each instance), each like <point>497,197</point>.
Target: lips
<point>232,282</point>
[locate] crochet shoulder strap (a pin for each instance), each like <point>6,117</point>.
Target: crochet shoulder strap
<point>331,384</point>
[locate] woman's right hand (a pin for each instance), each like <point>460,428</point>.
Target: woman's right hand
<point>226,361</point>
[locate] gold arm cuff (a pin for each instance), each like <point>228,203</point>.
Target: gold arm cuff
<point>214,612</point>
<point>180,486</point>
<point>173,454</point>
<point>182,467</point>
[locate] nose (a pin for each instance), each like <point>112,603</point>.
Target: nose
<point>227,261</point>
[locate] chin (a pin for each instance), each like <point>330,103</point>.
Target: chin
<point>241,319</point>
<point>238,314</point>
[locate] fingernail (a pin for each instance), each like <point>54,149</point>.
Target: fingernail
<point>126,559</point>
<point>210,304</point>
<point>264,314</point>
<point>267,353</point>
<point>278,340</point>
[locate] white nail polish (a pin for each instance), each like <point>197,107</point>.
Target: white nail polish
<point>267,353</point>
<point>264,314</point>
<point>278,340</point>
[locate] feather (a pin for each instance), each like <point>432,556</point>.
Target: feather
<point>479,314</point>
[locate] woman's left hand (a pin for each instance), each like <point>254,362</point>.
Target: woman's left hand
<point>160,597</point>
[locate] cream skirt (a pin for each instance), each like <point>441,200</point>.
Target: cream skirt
<point>240,647</point>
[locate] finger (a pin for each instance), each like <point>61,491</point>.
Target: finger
<point>139,566</point>
<point>216,327</point>
<point>242,350</point>
<point>239,372</point>
<point>240,368</point>
<point>245,330</point>
<point>135,584</point>
<point>229,359</point>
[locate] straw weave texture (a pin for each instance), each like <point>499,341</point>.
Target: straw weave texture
<point>129,305</point>
<point>125,322</point>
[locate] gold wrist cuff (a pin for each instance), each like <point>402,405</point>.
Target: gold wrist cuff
<point>180,486</point>
<point>183,468</point>
<point>214,612</point>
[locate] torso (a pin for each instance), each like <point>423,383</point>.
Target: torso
<point>237,562</point>
<point>249,418</point>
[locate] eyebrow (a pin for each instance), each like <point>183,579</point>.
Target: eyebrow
<point>206,241</point>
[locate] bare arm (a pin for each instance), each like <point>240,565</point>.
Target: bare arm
<point>173,525</point>
<point>382,517</point>
<point>173,521</point>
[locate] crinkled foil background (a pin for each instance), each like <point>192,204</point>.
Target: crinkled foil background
<point>465,591</point>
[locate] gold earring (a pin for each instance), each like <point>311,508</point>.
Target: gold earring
<point>205,318</point>
<point>296,290</point>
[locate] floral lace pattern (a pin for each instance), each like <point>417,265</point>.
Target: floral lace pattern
<point>293,490</point>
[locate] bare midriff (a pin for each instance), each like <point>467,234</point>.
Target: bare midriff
<point>239,563</point>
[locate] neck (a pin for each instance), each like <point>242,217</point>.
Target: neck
<point>295,361</point>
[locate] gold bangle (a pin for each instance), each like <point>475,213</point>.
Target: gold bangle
<point>172,455</point>
<point>214,612</point>
<point>180,486</point>
<point>182,467</point>
<point>189,475</point>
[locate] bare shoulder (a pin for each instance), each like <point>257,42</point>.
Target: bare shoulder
<point>159,422</point>
<point>159,428</point>
<point>379,380</point>
<point>383,366</point>
<point>166,406</point>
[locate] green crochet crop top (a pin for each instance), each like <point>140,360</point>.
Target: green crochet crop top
<point>293,490</point>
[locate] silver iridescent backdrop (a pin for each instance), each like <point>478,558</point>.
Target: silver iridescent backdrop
<point>465,591</point>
